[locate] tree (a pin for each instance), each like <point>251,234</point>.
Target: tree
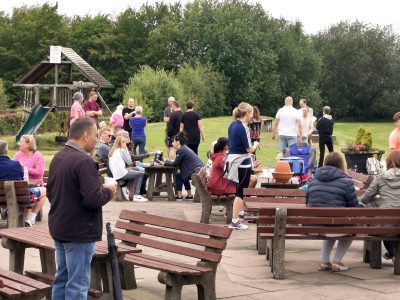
<point>360,70</point>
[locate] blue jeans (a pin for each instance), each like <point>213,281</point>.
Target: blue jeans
<point>180,182</point>
<point>141,142</point>
<point>131,176</point>
<point>286,141</point>
<point>73,270</point>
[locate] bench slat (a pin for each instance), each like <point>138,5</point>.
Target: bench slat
<point>342,229</point>
<point>341,212</point>
<point>176,224</point>
<point>201,254</point>
<point>342,220</point>
<point>275,200</point>
<point>18,286</point>
<point>274,192</point>
<point>23,279</point>
<point>156,265</point>
<point>323,237</point>
<point>176,236</point>
<point>10,293</point>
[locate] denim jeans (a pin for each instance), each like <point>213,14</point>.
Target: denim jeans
<point>180,182</point>
<point>131,176</point>
<point>141,142</point>
<point>286,141</point>
<point>73,270</point>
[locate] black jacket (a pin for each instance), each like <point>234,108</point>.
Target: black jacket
<point>325,127</point>
<point>331,187</point>
<point>76,197</point>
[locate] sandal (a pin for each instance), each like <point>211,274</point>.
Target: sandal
<point>338,267</point>
<point>325,266</point>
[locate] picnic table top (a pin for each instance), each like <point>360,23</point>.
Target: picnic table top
<point>39,237</point>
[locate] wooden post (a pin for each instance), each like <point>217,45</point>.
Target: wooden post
<point>150,187</point>
<point>15,215</point>
<point>396,248</point>
<point>375,255</point>
<point>279,243</point>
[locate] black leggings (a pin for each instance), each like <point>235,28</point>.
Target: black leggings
<point>244,180</point>
<point>325,140</point>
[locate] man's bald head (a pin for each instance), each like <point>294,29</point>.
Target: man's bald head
<point>289,101</point>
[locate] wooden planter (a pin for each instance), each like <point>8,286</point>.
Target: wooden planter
<point>358,161</point>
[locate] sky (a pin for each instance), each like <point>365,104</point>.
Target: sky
<point>315,15</point>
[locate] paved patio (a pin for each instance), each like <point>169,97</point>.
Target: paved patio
<point>243,274</point>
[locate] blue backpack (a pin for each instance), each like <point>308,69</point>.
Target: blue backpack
<point>296,164</point>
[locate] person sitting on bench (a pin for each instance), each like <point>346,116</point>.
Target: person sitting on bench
<point>331,187</point>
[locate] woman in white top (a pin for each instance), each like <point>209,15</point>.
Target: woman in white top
<point>119,159</point>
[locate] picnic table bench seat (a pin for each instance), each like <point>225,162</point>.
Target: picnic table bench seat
<point>208,200</point>
<point>186,239</point>
<point>16,286</point>
<point>367,224</point>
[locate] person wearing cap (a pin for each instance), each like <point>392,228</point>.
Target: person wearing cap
<point>76,108</point>
<point>325,130</point>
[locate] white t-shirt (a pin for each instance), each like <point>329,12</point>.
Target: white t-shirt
<point>117,165</point>
<point>288,117</point>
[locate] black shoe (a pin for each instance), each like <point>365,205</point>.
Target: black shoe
<point>178,197</point>
<point>189,197</point>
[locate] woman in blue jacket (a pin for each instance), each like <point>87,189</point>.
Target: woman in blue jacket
<point>187,161</point>
<point>331,187</point>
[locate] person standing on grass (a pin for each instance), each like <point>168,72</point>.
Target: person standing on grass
<point>255,126</point>
<point>325,131</point>
<point>75,219</point>
<point>331,187</point>
<point>238,164</point>
<point>167,113</point>
<point>192,126</point>
<point>288,124</point>
<point>173,127</point>
<point>128,112</point>
<point>76,108</point>
<point>394,137</point>
<point>138,124</point>
<point>92,108</point>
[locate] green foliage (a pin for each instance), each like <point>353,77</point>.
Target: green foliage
<point>151,88</point>
<point>3,96</point>
<point>364,137</point>
<point>360,134</point>
<point>205,88</point>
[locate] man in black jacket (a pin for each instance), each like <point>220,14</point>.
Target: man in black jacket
<point>173,127</point>
<point>325,130</point>
<point>75,218</point>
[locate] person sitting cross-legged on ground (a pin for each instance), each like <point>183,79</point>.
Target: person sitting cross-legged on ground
<point>331,187</point>
<point>187,161</point>
<point>12,170</point>
<point>387,186</point>
<point>119,159</point>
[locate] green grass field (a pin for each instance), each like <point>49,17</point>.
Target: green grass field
<point>217,127</point>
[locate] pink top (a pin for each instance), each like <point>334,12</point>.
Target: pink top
<point>35,165</point>
<point>117,120</point>
<point>394,139</point>
<point>76,108</point>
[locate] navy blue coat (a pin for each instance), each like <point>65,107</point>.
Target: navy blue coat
<point>187,161</point>
<point>331,187</point>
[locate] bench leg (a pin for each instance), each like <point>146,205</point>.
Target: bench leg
<point>48,261</point>
<point>278,266</point>
<point>396,248</point>
<point>366,251</point>
<point>229,211</point>
<point>150,187</point>
<point>205,211</point>
<point>127,275</point>
<point>206,289</point>
<point>376,255</point>
<point>261,245</point>
<point>169,186</point>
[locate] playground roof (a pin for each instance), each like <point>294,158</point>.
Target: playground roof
<point>68,55</point>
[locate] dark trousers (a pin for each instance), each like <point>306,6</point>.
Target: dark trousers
<point>180,183</point>
<point>389,247</point>
<point>194,147</point>
<point>324,140</point>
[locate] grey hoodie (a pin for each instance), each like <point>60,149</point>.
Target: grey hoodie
<point>387,186</point>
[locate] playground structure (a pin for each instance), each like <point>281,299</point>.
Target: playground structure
<point>53,84</point>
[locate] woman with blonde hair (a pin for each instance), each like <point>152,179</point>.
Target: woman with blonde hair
<point>387,186</point>
<point>238,161</point>
<point>29,157</point>
<point>119,159</point>
<point>331,187</point>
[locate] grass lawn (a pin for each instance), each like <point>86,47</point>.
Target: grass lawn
<point>217,127</point>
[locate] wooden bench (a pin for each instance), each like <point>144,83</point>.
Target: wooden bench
<point>209,200</point>
<point>361,181</point>
<point>187,239</point>
<point>103,170</point>
<point>367,224</point>
<point>16,286</point>
<point>15,196</point>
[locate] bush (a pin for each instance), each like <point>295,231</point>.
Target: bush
<point>3,97</point>
<point>150,89</point>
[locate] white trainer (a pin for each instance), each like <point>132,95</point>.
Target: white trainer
<point>139,198</point>
<point>125,191</point>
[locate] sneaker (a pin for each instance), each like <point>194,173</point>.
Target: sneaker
<point>189,198</point>
<point>178,197</point>
<point>338,267</point>
<point>238,226</point>
<point>388,257</point>
<point>138,198</point>
<point>125,192</point>
<point>4,213</point>
<point>29,223</point>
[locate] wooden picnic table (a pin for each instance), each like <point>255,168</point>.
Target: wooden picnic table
<point>156,183</point>
<point>18,239</point>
